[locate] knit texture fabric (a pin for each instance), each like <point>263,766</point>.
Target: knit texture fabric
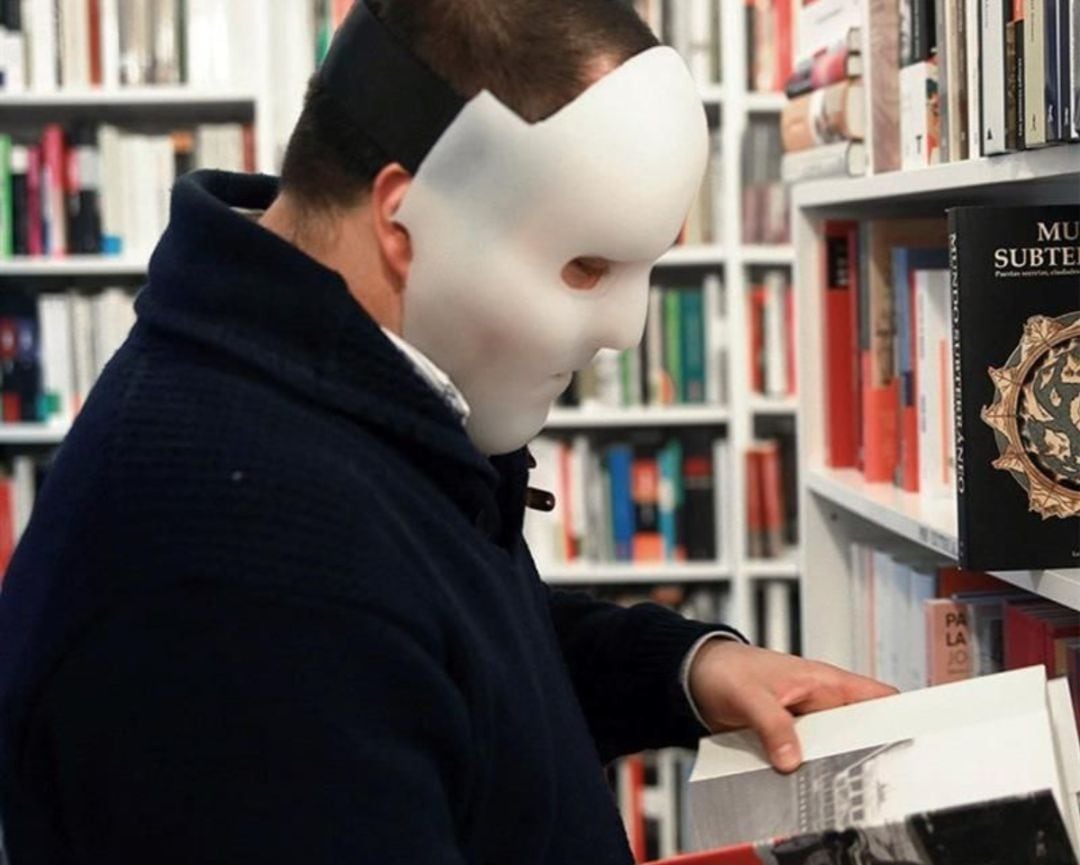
<point>273,606</point>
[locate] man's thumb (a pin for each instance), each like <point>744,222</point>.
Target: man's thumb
<point>776,728</point>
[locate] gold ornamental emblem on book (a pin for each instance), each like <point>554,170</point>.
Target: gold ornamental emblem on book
<point>1036,414</point>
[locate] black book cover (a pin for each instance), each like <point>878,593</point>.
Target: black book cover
<point>699,512</point>
<point>1016,343</point>
<point>20,213</point>
<point>1053,71</point>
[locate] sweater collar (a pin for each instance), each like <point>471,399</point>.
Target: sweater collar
<point>223,280</point>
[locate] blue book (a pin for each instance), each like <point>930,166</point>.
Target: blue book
<point>670,462</point>
<point>619,459</point>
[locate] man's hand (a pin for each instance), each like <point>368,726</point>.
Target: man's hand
<point>734,685</point>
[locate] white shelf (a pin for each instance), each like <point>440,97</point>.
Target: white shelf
<point>944,183</point>
<point>32,433</point>
<point>712,94</point>
<point>765,103</point>
<point>784,567</point>
<point>72,265</point>
<point>172,95</point>
<point>666,416</point>
<point>929,523</point>
<point>766,256</point>
<point>1061,586</point>
<point>597,573</point>
<point>773,406</point>
<point>693,256</point>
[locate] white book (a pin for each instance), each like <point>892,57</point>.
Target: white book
<point>1001,748</point>
<point>823,24</point>
<point>135,42</point>
<point>973,71</point>
<point>722,497</point>
<point>861,610</point>
<point>110,44</point>
<point>40,25</point>
<point>923,587</point>
<point>608,373</point>
<point>207,44</point>
<point>778,631</point>
<point>80,310</point>
<point>75,44</point>
<point>992,56</point>
<point>543,530</point>
<point>165,174</point>
<point>934,385</point>
<point>111,193</point>
<point>715,337</point>
<point>23,491</point>
<point>914,130</point>
<point>716,177</point>
<point>58,364</point>
<point>13,61</point>
<point>776,343</point>
<point>841,159</point>
<point>114,316</point>
<point>165,42</point>
<point>880,579</point>
<point>598,543</point>
<point>699,43</point>
<point>1034,73</point>
<point>654,346</point>
<point>292,33</point>
<point>579,459</point>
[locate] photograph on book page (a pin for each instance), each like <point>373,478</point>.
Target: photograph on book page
<point>881,767</point>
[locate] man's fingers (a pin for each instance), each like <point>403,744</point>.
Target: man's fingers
<point>858,688</point>
<point>775,727</point>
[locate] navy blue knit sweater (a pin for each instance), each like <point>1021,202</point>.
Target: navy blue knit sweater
<point>274,607</point>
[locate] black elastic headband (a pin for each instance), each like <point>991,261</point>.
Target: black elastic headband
<point>386,90</point>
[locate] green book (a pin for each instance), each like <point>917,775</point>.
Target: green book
<point>673,352</point>
<point>693,345</point>
<point>7,215</point>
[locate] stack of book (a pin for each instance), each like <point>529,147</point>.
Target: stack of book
<point>99,189</point>
<point>769,44</point>
<point>888,332</point>
<point>917,622</point>
<point>681,360</point>
<point>638,500</point>
<point>772,335</point>
<point>766,207</point>
<point>771,498</point>
<point>82,44</point>
<point>949,372</point>
<point>53,347</point>
<point>824,123</point>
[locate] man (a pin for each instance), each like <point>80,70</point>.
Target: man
<point>274,605</point>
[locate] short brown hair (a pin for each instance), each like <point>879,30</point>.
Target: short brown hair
<point>533,55</point>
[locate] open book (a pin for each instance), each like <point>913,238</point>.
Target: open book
<point>980,772</point>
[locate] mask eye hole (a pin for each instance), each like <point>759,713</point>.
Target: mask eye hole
<point>585,273</point>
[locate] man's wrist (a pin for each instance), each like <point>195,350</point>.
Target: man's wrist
<point>691,656</point>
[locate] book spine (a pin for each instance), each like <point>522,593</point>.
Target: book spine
<point>955,275</point>
<point>7,209</point>
<point>755,506</point>
<point>907,465</point>
<point>1072,92</point>
<point>842,159</point>
<point>918,89</point>
<point>1035,130</point>
<point>948,635</point>
<point>885,88</point>
<point>757,339</point>
<point>699,483</point>
<point>1014,96</point>
<point>693,344</point>
<point>35,243</point>
<point>775,360</point>
<point>20,203</point>
<point>973,68</point>
<point>823,116</point>
<point>772,500</point>
<point>54,188</point>
<point>841,343</point>
<point>1055,82</point>
<point>673,347</point>
<point>669,464</point>
<point>648,545</point>
<point>944,56</point>
<point>992,54</point>
<point>619,460</point>
<point>654,347</point>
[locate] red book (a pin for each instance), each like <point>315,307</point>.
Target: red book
<point>953,581</point>
<point>7,526</point>
<point>570,544</point>
<point>909,414</point>
<point>249,148</point>
<point>632,804</point>
<point>741,854</point>
<point>758,299</point>
<point>35,242</point>
<point>840,280</point>
<point>772,498</point>
<point>54,189</point>
<point>755,507</point>
<point>94,16</point>
<point>783,36</point>
<point>1023,636</point>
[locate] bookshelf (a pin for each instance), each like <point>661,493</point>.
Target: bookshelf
<point>837,506</point>
<point>735,421</point>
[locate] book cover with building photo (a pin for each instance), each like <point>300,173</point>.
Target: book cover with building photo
<point>1016,329</point>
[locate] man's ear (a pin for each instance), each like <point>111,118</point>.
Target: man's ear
<point>395,247</point>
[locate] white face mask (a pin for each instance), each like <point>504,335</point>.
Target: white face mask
<point>499,208</point>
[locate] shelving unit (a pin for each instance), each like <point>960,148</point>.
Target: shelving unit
<point>732,259</point>
<point>838,506</point>
<point>32,433</point>
<point>24,267</point>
